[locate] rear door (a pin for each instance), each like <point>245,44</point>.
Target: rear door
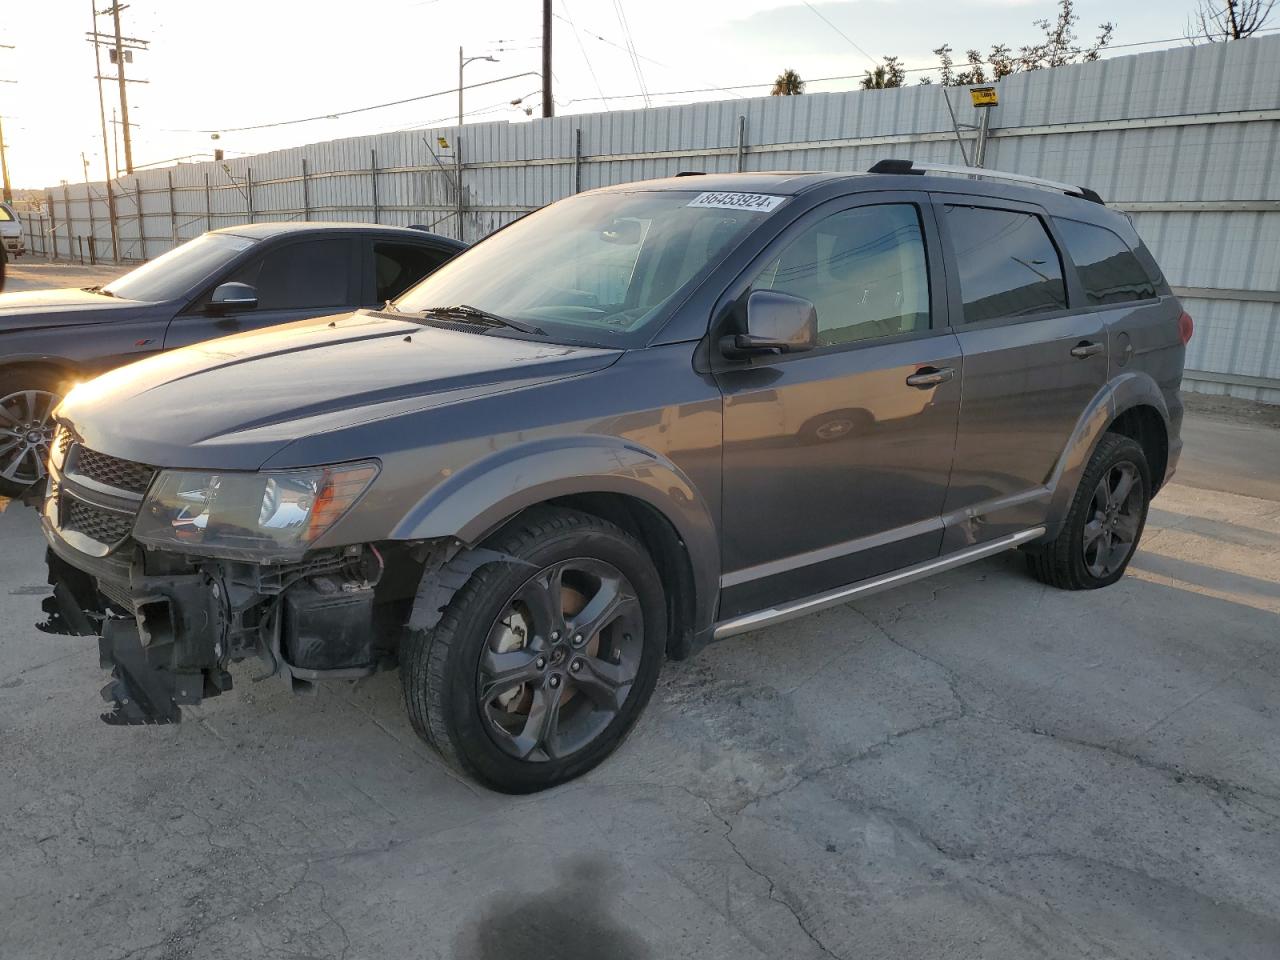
<point>1032,363</point>
<point>835,465</point>
<point>294,279</point>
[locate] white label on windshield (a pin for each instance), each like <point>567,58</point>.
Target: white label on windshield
<point>763,202</point>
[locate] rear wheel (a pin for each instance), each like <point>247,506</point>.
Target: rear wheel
<point>27,401</point>
<point>540,665</point>
<point>1105,522</point>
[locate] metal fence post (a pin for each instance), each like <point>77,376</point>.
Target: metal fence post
<point>208,205</point>
<point>80,244</point>
<point>173,212</point>
<point>373,169</point>
<point>577,160</point>
<point>742,142</point>
<point>457,178</point>
<point>142,233</point>
<point>306,192</point>
<point>53,226</point>
<point>93,226</point>
<point>248,191</point>
<point>66,210</point>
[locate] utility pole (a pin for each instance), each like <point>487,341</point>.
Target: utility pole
<point>4,163</point>
<point>106,157</point>
<point>121,52</point>
<point>124,96</point>
<point>4,167</point>
<point>548,106</point>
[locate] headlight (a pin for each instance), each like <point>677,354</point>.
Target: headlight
<point>261,516</point>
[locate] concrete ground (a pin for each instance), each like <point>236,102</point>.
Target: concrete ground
<point>26,273</point>
<point>974,766</point>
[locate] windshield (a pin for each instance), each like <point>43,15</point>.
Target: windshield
<point>177,271</point>
<point>5,215</point>
<point>598,268</point>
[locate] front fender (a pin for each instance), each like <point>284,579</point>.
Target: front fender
<point>1121,393</point>
<point>476,500</point>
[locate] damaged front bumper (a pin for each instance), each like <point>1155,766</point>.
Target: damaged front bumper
<point>170,625</point>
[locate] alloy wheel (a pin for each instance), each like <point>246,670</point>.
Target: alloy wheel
<point>26,434</point>
<point>560,660</point>
<point>1115,517</point>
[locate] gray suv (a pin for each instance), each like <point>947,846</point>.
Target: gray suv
<point>637,420</point>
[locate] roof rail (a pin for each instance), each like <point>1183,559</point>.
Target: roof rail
<point>911,166</point>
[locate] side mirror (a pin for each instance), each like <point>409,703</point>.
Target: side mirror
<point>776,323</point>
<point>236,296</point>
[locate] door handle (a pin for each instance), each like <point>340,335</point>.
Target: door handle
<point>927,377</point>
<point>1086,348</point>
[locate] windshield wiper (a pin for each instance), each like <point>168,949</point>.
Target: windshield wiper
<point>474,315</point>
<point>99,289</point>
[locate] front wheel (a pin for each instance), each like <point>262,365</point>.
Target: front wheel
<point>542,661</point>
<point>27,402</point>
<point>1105,521</point>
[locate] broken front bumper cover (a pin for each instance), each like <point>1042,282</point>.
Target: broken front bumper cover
<point>169,626</point>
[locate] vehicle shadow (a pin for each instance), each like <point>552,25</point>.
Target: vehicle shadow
<point>569,921</point>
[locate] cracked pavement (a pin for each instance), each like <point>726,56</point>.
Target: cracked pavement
<point>970,766</point>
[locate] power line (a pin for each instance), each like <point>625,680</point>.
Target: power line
<point>850,76</point>
<point>820,16</point>
<point>354,110</point>
<point>659,63</point>
<point>631,48</point>
<point>581,46</point>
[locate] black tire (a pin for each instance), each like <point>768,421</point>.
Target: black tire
<point>48,387</point>
<point>443,669</point>
<point>1087,553</point>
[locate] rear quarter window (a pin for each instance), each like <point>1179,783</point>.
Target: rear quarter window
<point>1109,270</point>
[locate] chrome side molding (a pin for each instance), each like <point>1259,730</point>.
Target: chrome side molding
<point>832,598</point>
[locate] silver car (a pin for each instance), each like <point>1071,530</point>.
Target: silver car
<point>11,231</point>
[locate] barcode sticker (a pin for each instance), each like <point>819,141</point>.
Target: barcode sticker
<point>762,202</point>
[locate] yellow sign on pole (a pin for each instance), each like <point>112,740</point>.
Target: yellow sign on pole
<point>444,144</point>
<point>984,96</point>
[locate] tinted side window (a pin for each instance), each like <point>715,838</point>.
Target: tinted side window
<point>398,266</point>
<point>1108,269</point>
<point>314,273</point>
<point>1008,265</point>
<point>864,269</point>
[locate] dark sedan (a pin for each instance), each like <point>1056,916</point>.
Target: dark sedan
<point>223,282</point>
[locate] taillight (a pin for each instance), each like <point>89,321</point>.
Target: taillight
<point>1185,327</point>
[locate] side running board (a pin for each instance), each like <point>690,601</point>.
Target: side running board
<point>833,598</point>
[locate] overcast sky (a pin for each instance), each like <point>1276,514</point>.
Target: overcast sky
<point>237,63</point>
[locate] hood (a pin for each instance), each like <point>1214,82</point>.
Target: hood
<point>234,402</point>
<point>40,308</point>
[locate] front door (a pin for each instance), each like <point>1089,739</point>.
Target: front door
<point>1032,364</point>
<point>295,280</point>
<point>835,466</point>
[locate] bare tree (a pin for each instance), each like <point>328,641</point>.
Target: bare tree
<point>1228,20</point>
<point>1059,46</point>
<point>787,84</point>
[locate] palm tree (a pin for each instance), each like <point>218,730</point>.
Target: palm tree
<point>875,79</point>
<point>788,84</point>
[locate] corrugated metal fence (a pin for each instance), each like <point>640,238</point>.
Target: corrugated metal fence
<point>1184,140</point>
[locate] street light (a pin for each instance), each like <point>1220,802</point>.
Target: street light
<point>462,63</point>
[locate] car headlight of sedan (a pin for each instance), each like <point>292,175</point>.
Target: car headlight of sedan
<point>267,516</point>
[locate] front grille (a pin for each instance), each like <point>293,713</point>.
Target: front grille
<point>62,442</point>
<point>104,526</point>
<point>114,472</point>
